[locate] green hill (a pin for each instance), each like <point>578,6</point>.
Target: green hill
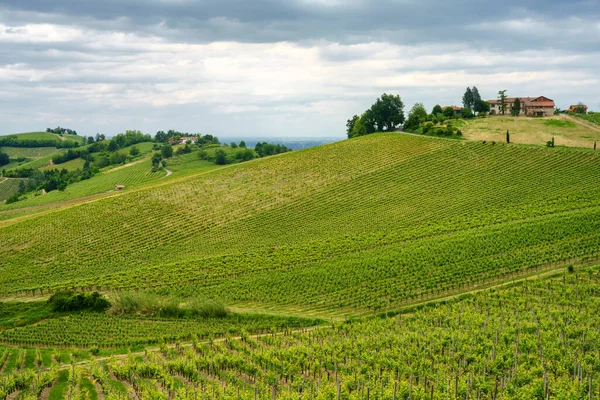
<point>436,268</point>
<point>359,226</point>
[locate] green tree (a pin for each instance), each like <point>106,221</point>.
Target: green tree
<point>166,151</point>
<point>437,109</point>
<point>516,108</point>
<point>482,106</point>
<point>388,112</point>
<point>467,99</point>
<point>358,129</point>
<point>156,159</point>
<point>449,112</point>
<point>368,121</point>
<point>161,137</point>
<point>502,100</point>
<point>476,97</point>
<point>242,144</point>
<point>4,159</point>
<point>416,117</point>
<point>466,113</point>
<point>220,157</point>
<point>350,125</point>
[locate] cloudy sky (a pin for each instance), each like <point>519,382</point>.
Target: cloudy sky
<point>280,67</point>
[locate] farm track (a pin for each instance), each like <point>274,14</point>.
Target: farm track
<point>583,123</point>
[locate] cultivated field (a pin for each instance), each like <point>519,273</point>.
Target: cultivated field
<point>538,339</point>
<point>389,266</point>
<point>28,152</point>
<point>408,218</point>
<point>567,131</point>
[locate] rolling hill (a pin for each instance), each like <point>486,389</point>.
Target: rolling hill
<point>355,227</point>
<point>444,268</point>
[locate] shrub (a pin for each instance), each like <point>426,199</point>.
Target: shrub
<point>134,151</point>
<point>13,199</point>
<point>220,157</point>
<point>71,301</point>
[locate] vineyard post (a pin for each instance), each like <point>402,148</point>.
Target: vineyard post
<point>507,137</point>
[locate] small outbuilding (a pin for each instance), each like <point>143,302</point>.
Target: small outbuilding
<point>119,187</point>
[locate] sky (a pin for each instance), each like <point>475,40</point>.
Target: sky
<point>280,68</point>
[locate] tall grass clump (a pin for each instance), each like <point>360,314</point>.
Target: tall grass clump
<point>147,304</point>
<point>135,303</point>
<point>206,308</point>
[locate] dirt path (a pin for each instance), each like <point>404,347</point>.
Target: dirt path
<point>45,393</point>
<point>99,390</point>
<point>5,362</point>
<point>582,122</point>
<point>124,166</point>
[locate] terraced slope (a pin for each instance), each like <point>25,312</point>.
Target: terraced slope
<point>357,226</point>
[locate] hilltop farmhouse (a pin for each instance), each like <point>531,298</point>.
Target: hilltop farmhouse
<point>530,106</point>
<point>575,107</point>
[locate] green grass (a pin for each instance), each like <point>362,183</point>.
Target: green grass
<point>559,123</point>
<point>59,390</point>
<point>87,388</point>
<point>14,314</point>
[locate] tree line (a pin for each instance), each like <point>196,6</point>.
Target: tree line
<point>16,141</point>
<point>387,115</point>
<point>61,131</point>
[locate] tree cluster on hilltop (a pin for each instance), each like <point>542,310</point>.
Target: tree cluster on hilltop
<point>60,131</point>
<point>385,115</point>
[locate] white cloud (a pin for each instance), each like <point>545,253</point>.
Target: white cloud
<point>102,79</point>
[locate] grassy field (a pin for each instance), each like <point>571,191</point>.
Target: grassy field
<point>566,130</point>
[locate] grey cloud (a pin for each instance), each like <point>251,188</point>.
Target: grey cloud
<point>295,20</point>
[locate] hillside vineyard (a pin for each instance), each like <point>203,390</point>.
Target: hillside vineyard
<point>353,227</point>
<point>538,339</point>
